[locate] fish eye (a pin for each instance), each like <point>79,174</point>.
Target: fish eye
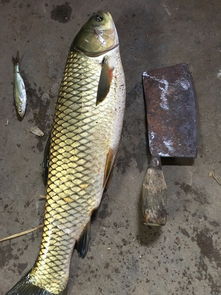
<point>98,18</point>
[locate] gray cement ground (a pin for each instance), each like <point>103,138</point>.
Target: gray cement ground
<point>184,257</point>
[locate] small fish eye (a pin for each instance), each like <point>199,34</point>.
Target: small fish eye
<point>98,18</point>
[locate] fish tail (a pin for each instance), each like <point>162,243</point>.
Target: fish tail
<point>16,59</point>
<point>25,287</point>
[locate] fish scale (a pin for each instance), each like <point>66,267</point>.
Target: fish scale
<point>80,141</point>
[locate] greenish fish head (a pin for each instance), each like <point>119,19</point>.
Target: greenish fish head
<point>97,36</point>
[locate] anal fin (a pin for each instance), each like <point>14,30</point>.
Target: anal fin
<point>82,244</point>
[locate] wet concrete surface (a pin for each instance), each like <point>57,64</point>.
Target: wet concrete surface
<point>184,257</point>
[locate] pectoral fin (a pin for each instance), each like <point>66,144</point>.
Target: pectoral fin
<point>104,82</point>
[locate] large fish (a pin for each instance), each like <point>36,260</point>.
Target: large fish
<point>84,140</point>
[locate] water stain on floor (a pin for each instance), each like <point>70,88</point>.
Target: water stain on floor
<point>62,13</point>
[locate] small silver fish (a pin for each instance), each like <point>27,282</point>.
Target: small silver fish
<point>19,90</point>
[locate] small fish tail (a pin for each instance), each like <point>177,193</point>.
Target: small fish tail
<point>25,287</point>
<point>16,59</point>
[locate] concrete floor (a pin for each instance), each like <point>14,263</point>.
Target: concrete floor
<point>184,257</point>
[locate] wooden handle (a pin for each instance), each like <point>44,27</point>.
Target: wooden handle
<point>154,195</point>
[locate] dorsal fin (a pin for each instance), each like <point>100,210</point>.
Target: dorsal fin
<point>104,82</point>
<point>45,163</point>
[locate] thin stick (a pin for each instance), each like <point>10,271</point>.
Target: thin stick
<point>215,177</point>
<point>21,233</point>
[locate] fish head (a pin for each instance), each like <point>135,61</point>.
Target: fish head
<point>20,109</point>
<point>97,36</point>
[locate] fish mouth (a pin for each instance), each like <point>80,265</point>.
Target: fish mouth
<point>102,13</point>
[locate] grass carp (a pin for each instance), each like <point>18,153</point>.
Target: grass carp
<point>84,140</point>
